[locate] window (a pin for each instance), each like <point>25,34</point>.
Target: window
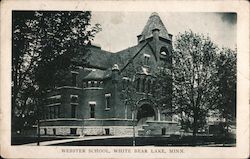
<point>107,132</point>
<point>108,96</point>
<point>54,99</point>
<point>95,84</point>
<point>45,131</point>
<point>92,109</point>
<point>125,82</point>
<point>143,85</point>
<point>149,83</point>
<point>46,113</point>
<point>74,98</point>
<point>56,112</point>
<point>73,131</point>
<point>73,111</point>
<point>165,54</point>
<point>164,51</point>
<point>89,84</point>
<point>146,59</point>
<point>53,112</point>
<point>50,113</point>
<point>163,131</point>
<point>138,84</point>
<point>73,78</point>
<point>92,84</point>
<point>54,131</point>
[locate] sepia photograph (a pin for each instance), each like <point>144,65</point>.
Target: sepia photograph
<point>132,80</point>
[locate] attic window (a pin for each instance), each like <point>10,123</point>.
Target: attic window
<point>146,59</point>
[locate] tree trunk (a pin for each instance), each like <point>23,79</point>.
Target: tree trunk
<point>195,129</point>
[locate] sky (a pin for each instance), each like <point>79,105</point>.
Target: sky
<point>120,29</point>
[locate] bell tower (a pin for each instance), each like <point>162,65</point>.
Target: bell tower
<point>158,37</point>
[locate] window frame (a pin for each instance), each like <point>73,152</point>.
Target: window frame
<point>107,101</point>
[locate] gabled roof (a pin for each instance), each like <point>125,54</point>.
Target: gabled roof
<point>154,22</point>
<point>99,58</point>
<point>98,74</point>
<point>124,56</point>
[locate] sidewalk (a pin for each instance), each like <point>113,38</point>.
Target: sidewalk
<point>46,143</point>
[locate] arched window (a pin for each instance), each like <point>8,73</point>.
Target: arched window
<point>165,54</point>
<point>164,51</point>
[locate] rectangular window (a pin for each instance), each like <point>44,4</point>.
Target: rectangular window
<point>50,113</point>
<point>73,111</point>
<point>54,131</point>
<point>45,131</point>
<point>73,131</point>
<point>138,84</point>
<point>73,78</point>
<point>47,112</point>
<point>92,109</point>
<point>107,131</point>
<point>92,83</point>
<point>56,111</point>
<point>74,98</point>
<point>53,112</point>
<point>146,59</point>
<point>108,102</point>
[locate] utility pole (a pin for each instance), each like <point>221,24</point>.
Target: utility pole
<point>38,124</point>
<point>133,127</point>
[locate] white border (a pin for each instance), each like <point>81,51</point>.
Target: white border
<point>242,9</point>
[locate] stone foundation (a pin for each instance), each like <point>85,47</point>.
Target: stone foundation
<point>87,130</point>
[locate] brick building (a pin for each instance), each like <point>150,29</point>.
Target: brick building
<point>90,101</point>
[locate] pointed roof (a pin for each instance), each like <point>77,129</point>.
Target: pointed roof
<point>154,22</point>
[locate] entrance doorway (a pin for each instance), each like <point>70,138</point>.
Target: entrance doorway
<point>144,113</point>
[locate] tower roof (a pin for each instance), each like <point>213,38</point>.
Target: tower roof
<point>154,22</point>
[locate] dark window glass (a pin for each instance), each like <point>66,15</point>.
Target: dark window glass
<point>163,131</point>
<point>74,99</point>
<point>92,83</point>
<point>73,131</point>
<point>47,112</point>
<point>92,110</point>
<point>73,111</point>
<point>45,131</point>
<point>56,112</point>
<point>143,85</point>
<point>50,113</point>
<point>146,59</point>
<point>149,86</point>
<point>54,131</point>
<point>107,101</point>
<point>107,132</point>
<point>74,75</point>
<point>138,84</point>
